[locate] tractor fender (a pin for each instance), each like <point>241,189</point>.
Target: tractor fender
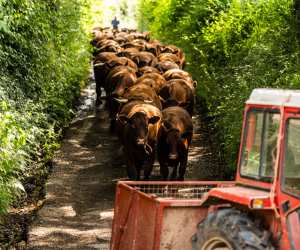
<point>239,195</point>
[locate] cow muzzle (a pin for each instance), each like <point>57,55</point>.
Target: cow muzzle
<point>140,141</point>
<point>173,156</point>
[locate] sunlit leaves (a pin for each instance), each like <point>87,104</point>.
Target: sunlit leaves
<point>44,59</point>
<point>232,46</point>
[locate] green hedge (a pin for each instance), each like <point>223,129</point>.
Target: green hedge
<point>232,46</point>
<point>44,61</point>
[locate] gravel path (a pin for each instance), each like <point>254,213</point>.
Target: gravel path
<point>78,208</point>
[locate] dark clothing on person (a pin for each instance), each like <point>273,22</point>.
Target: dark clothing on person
<point>115,23</point>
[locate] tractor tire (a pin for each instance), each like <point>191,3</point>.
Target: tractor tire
<point>230,229</point>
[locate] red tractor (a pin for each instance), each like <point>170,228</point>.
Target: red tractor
<point>259,210</point>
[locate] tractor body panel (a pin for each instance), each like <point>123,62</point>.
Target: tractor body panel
<point>243,195</point>
<point>158,215</point>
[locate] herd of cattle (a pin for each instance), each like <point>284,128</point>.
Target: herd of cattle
<point>150,99</point>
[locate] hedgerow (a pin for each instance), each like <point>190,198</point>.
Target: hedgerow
<point>44,58</point>
<point>232,47</point>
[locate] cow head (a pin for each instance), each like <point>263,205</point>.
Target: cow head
<point>175,140</point>
<point>125,81</point>
<point>138,126</point>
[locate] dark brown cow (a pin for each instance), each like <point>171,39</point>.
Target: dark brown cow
<point>181,74</point>
<point>108,45</point>
<point>147,69</point>
<point>119,79</point>
<point>144,93</point>
<point>177,51</point>
<point>104,63</point>
<point>173,141</point>
<point>132,44</point>
<point>97,36</point>
<point>155,80</point>
<point>177,93</point>
<point>165,66</point>
<point>121,37</point>
<point>117,82</point>
<point>153,47</point>
<point>140,123</point>
<point>141,36</point>
<point>144,58</point>
<point>129,52</point>
<point>169,57</point>
<point>101,70</point>
<point>101,35</point>
<point>122,61</point>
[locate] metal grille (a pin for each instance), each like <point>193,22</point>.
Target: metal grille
<point>174,191</point>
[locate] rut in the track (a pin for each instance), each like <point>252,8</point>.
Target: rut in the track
<point>78,208</point>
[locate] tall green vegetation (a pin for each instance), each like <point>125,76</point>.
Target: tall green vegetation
<point>44,61</point>
<point>232,47</point>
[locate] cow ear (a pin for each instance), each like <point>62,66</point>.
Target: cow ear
<point>123,119</point>
<point>186,134</point>
<point>165,126</point>
<point>154,119</point>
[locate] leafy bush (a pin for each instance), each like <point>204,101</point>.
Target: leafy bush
<point>232,47</point>
<point>44,58</point>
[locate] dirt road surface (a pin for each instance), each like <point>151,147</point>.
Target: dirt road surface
<point>78,208</point>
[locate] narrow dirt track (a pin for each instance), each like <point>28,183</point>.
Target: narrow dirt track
<point>78,208</point>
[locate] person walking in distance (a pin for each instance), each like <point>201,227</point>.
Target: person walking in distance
<point>115,22</point>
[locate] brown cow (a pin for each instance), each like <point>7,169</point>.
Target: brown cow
<point>117,82</point>
<point>177,93</point>
<point>129,52</point>
<point>108,45</point>
<point>144,93</point>
<point>104,63</point>
<point>147,69</point>
<point>119,79</point>
<point>144,58</point>
<point>153,47</point>
<point>165,66</point>
<point>177,51</point>
<point>155,80</point>
<point>132,44</point>
<point>181,74</point>
<point>101,70</point>
<point>122,61</point>
<point>140,124</point>
<point>169,57</point>
<point>173,141</point>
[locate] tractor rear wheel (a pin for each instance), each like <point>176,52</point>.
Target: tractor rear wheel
<point>230,229</point>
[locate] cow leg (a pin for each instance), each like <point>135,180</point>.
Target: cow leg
<point>147,171</point>
<point>98,94</point>
<point>148,166</point>
<point>174,172</point>
<point>131,169</point>
<point>164,171</point>
<point>182,167</point>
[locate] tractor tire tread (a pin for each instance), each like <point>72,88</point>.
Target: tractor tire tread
<point>236,227</point>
